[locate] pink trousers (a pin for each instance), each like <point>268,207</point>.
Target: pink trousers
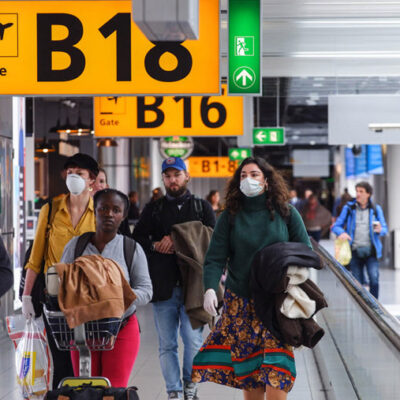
<point>116,364</point>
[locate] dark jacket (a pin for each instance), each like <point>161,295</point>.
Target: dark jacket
<point>191,240</point>
<point>6,273</point>
<point>268,278</point>
<point>133,212</point>
<point>346,222</point>
<point>155,222</point>
<point>301,331</point>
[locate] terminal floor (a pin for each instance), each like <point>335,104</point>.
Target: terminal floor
<point>147,375</point>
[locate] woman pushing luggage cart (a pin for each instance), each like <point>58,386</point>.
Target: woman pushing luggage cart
<point>101,250</point>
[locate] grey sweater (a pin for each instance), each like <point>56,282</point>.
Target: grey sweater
<point>139,278</point>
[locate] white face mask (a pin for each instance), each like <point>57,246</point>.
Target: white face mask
<point>251,187</point>
<point>75,184</point>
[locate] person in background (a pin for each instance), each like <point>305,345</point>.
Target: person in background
<point>300,204</point>
<point>316,217</point>
<point>214,199</point>
<point>156,194</point>
<point>340,203</point>
<point>111,208</point>
<point>257,214</point>
<point>362,223</point>
<point>133,212</point>
<point>101,182</point>
<point>153,232</point>
<point>6,273</point>
<point>293,197</point>
<point>73,215</point>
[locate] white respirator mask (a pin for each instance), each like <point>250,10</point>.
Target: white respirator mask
<point>251,187</point>
<point>75,184</point>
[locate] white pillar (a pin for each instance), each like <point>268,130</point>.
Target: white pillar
<point>393,188</point>
<point>155,166</point>
<point>246,140</point>
<point>115,161</point>
<point>29,174</point>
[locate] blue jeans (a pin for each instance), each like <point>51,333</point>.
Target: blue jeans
<point>169,315</point>
<point>357,268</point>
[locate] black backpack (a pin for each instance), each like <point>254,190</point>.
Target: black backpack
<point>38,289</point>
<point>197,203</point>
<point>129,248</point>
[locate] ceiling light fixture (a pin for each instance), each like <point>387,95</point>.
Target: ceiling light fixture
<point>45,147</point>
<point>107,143</point>
<point>379,127</point>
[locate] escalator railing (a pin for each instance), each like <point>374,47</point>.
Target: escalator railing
<point>365,337</point>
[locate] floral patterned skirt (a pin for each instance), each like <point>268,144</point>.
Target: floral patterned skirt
<point>240,352</point>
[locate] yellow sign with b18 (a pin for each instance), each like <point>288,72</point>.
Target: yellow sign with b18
<point>95,48</point>
<point>169,115</point>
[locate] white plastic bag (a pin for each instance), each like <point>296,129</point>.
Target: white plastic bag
<point>32,359</point>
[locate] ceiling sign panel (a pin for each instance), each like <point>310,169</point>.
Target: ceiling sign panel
<point>169,115</point>
<point>95,48</point>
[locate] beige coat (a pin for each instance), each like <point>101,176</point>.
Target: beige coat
<point>92,288</point>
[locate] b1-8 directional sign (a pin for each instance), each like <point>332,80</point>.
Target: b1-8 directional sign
<point>239,153</point>
<point>269,136</point>
<point>244,47</point>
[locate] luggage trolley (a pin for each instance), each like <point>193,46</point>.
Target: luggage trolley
<point>90,336</point>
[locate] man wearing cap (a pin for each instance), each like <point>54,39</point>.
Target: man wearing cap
<point>71,215</point>
<point>153,232</point>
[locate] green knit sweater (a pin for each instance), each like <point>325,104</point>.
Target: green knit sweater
<point>237,243</point>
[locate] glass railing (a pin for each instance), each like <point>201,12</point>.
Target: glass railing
<point>365,336</point>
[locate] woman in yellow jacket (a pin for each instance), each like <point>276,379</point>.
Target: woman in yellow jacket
<point>72,215</point>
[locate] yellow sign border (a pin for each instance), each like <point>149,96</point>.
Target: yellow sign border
<point>99,76</point>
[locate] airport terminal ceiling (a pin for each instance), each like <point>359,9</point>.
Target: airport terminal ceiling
<point>312,50</point>
<point>302,103</point>
<point>327,38</point>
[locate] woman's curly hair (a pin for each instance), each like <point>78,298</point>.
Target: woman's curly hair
<point>277,194</point>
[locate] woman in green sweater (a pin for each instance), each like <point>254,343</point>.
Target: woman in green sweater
<point>240,352</point>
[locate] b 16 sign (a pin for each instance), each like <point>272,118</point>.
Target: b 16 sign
<point>169,116</point>
<point>95,48</point>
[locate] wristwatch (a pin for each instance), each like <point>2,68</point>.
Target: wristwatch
<point>153,246</point>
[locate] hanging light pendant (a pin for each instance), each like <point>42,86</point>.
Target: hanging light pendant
<point>66,128</point>
<point>45,147</point>
<point>80,129</point>
<point>107,143</point>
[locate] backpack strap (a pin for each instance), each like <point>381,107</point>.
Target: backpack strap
<point>129,251</point>
<point>198,208</point>
<point>50,216</point>
<point>82,242</point>
<point>129,247</point>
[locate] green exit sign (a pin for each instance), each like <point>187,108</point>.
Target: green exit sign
<point>244,25</point>
<point>239,153</point>
<point>269,136</point>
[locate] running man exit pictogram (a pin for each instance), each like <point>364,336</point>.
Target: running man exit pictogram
<point>244,46</point>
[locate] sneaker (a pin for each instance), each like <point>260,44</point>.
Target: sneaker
<point>190,391</point>
<point>174,395</point>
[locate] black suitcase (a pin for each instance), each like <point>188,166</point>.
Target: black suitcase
<point>89,392</point>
